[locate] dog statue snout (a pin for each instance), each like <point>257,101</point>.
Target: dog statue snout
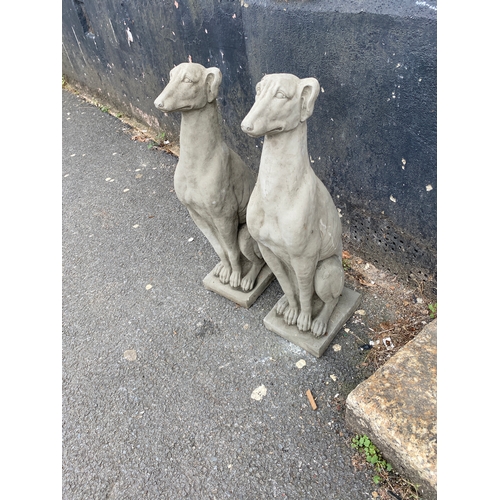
<point>246,127</point>
<point>158,102</point>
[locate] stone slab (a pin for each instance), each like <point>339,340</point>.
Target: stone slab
<point>397,409</point>
<point>348,303</point>
<point>237,295</point>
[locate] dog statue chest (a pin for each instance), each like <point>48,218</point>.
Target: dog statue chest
<point>198,190</point>
<point>278,226</point>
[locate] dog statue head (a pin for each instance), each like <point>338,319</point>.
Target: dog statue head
<point>282,101</point>
<point>191,86</point>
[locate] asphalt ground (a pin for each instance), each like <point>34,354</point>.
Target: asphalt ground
<point>158,372</point>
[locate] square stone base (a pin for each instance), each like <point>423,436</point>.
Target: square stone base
<point>244,299</point>
<point>347,304</point>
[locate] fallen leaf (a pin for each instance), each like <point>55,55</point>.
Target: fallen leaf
<point>140,138</point>
<point>361,312</point>
<point>259,393</point>
<point>366,283</point>
<point>346,254</point>
<point>300,363</point>
<point>337,347</point>
<point>148,287</point>
<point>333,377</point>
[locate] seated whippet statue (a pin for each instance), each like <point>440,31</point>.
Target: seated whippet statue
<point>211,180</point>
<point>291,214</point>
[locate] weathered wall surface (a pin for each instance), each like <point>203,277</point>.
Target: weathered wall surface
<point>372,136</point>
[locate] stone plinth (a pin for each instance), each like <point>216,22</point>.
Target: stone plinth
<point>237,295</point>
<point>397,409</point>
<point>348,303</point>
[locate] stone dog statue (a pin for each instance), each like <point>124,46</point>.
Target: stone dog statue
<point>291,214</point>
<point>211,180</point>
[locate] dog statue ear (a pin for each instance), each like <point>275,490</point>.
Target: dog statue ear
<point>212,79</point>
<point>309,90</point>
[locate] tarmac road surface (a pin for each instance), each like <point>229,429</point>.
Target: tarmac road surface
<point>158,373</point>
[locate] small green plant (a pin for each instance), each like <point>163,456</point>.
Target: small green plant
<point>104,109</point>
<point>157,141</point>
<point>345,264</point>
<point>119,115</point>
<point>160,138</point>
<point>64,82</point>
<point>433,310</point>
<point>372,454</point>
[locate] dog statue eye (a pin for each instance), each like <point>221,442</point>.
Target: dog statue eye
<point>281,95</point>
<point>187,80</point>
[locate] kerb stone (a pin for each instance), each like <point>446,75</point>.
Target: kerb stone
<point>397,409</point>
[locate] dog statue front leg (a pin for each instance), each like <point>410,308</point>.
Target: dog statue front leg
<point>227,230</point>
<point>304,269</point>
<point>287,305</point>
<point>249,248</point>
<point>223,268</point>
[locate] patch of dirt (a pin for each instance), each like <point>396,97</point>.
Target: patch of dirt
<point>391,485</point>
<point>137,130</point>
<point>393,313</point>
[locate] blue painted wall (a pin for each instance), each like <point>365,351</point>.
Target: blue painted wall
<point>372,136</point>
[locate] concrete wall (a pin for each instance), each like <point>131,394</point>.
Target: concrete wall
<point>372,135</point>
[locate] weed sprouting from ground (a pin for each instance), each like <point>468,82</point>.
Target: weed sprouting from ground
<point>372,454</point>
<point>433,310</point>
<point>394,485</point>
